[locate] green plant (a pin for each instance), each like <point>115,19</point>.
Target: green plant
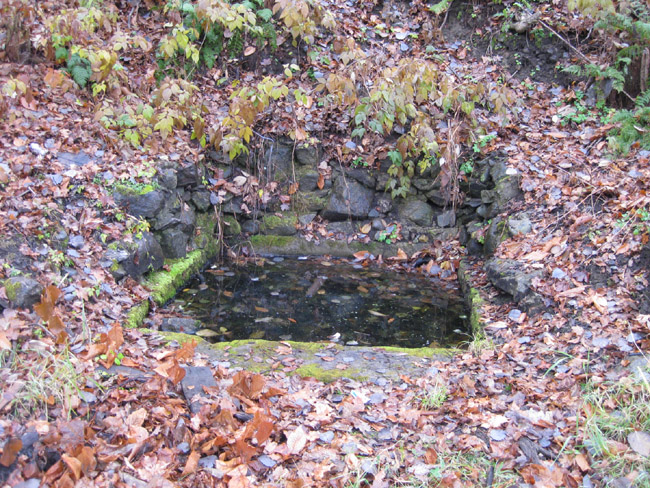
<point>359,162</point>
<point>388,235</point>
<point>302,17</point>
<point>467,167</point>
<point>58,259</point>
<point>482,142</point>
<point>434,396</point>
<point>117,360</point>
<point>210,27</point>
<point>245,105</point>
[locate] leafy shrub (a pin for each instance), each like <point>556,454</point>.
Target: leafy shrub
<point>210,27</point>
<point>626,26</point>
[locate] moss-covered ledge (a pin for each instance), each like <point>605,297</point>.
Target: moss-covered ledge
<point>164,283</point>
<point>306,358</point>
<point>472,297</point>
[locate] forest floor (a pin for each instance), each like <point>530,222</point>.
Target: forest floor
<point>550,401</point>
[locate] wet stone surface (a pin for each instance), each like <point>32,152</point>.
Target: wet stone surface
<point>311,301</point>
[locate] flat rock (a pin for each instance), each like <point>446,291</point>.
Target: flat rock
<point>196,377</point>
<point>508,276</point>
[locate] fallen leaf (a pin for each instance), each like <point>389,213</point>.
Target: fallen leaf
<point>296,440</point>
<point>640,443</point>
<point>10,451</point>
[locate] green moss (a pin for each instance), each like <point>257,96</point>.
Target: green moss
<point>136,315</point>
<point>231,226</point>
<point>271,241</point>
<point>273,221</point>
<point>303,202</point>
<point>475,304</point>
<point>134,189</point>
<point>176,336</point>
<point>328,375</point>
<point>11,289</point>
<point>472,298</point>
<point>163,284</point>
<point>423,352</point>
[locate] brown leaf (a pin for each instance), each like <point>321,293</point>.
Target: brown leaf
<point>191,464</point>
<point>431,456</point>
<point>87,459</point>
<point>249,50</point>
<point>10,451</point>
<point>244,450</point>
<point>247,384</point>
<point>582,462</point>
<point>296,440</point>
<point>321,182</point>
<point>364,230</point>
<point>73,464</point>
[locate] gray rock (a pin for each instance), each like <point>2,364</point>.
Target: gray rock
<point>69,159</point>
<point>349,199</point>
<point>173,242</point>
<point>507,275</point>
<point>424,184</point>
<point>22,291</point>
<point>341,228</point>
<point>446,219</point>
<point>363,176</point>
<point>309,181</point>
<point>278,161</point>
<point>498,167</point>
<point>179,324</point>
<point>208,461</point>
<point>135,258</point>
<point>306,218</point>
<point>251,227</point>
<point>533,304</point>
<point>37,149</point>
<point>187,174</point>
<point>145,205</point>
<point>167,178</point>
<point>488,196</point>
<point>196,377</point>
<point>201,200</point>
<point>437,197</point>
<point>496,233</point>
<point>519,225</point>
<point>76,241</point>
<point>309,155</point>
<point>30,483</point>
<point>416,211</point>
<point>507,189</point>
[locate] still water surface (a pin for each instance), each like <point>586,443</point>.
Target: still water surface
<point>308,300</point>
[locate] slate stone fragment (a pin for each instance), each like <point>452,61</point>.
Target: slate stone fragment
<point>196,377</point>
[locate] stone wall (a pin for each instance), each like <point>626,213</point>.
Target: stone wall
<point>354,202</point>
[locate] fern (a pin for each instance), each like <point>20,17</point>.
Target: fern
<point>643,100</point>
<point>80,70</point>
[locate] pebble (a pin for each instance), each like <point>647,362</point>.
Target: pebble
<point>326,437</point>
<point>266,461</point>
<point>514,314</point>
<point>497,435</point>
<point>558,274</point>
<point>37,149</point>
<point>207,461</point>
<point>183,447</point>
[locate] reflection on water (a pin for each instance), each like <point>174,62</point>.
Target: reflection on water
<point>312,301</point>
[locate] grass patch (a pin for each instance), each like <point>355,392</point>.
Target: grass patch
<point>42,379</point>
<point>610,413</point>
<point>434,396</point>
